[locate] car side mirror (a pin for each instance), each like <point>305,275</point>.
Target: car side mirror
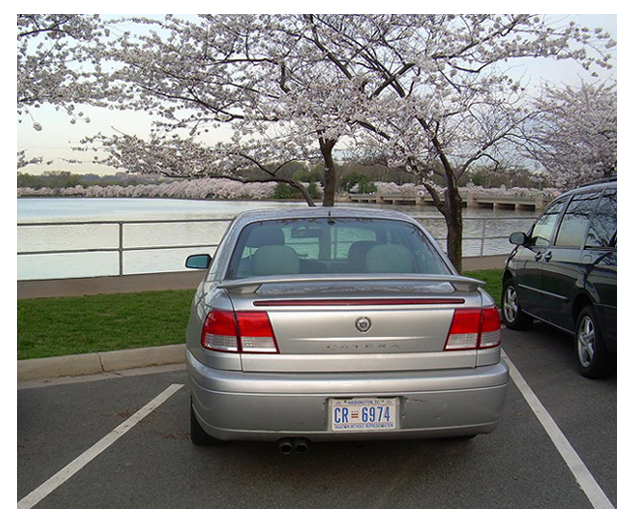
<point>519,239</point>
<point>198,262</point>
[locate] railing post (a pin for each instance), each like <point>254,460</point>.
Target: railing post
<point>484,226</point>
<point>120,249</point>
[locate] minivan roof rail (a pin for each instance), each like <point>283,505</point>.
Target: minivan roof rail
<point>600,181</point>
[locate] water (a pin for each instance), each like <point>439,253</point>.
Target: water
<point>32,239</point>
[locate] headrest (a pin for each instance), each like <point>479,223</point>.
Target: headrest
<point>263,234</point>
<point>275,260</point>
<point>389,258</point>
<point>357,252</point>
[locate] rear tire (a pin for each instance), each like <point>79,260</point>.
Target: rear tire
<point>512,314</point>
<point>593,359</point>
<point>197,434</point>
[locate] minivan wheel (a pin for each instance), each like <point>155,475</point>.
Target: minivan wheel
<point>197,434</point>
<point>512,314</point>
<point>594,361</point>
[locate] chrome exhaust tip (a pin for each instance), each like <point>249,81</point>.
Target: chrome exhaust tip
<point>285,446</point>
<point>301,445</point>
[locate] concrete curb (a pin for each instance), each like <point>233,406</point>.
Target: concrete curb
<point>102,362</point>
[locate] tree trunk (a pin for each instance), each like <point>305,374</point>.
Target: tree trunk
<point>330,175</point>
<point>452,207</point>
<point>453,219</point>
<point>300,187</point>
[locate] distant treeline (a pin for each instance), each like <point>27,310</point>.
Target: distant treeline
<point>350,174</point>
<point>62,179</point>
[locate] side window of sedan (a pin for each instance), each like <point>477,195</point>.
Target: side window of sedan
<point>544,227</point>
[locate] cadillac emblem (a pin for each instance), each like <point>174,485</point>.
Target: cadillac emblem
<point>363,324</point>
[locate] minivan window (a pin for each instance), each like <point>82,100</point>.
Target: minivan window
<point>574,225</point>
<point>333,245</point>
<point>544,227</point>
<point>603,227</point>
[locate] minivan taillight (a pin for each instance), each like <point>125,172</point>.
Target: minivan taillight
<point>474,329</point>
<point>240,332</point>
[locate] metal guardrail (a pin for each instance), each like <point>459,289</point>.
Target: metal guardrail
<point>483,235</point>
<point>122,248</point>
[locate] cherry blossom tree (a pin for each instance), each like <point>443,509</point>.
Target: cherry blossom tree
<point>257,74</point>
<point>196,188</point>
<point>185,158</point>
<point>427,93</point>
<point>23,161</point>
<point>572,134</point>
<point>57,63</point>
<point>438,96</point>
<point>430,94</point>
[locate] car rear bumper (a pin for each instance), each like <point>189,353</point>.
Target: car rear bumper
<point>268,406</point>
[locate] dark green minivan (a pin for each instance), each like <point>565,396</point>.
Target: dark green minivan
<point>563,272</point>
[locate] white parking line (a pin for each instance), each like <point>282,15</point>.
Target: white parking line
<point>64,474</point>
<point>582,475</point>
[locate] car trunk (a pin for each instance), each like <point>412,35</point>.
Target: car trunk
<point>344,325</point>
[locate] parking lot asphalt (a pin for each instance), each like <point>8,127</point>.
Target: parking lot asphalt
<point>154,465</point>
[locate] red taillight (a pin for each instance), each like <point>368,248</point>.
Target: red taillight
<point>474,329</point>
<point>243,331</point>
<point>465,329</point>
<point>256,332</point>
<point>219,331</point>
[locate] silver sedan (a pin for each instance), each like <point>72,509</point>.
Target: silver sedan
<point>339,324</point>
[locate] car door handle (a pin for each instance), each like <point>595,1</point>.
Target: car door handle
<point>548,256</point>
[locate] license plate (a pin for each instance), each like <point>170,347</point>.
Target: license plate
<point>363,414</point>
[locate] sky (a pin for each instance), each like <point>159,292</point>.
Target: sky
<point>58,135</point>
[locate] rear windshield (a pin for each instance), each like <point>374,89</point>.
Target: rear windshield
<point>333,246</point>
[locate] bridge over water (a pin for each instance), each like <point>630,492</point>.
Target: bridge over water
<point>493,201</point>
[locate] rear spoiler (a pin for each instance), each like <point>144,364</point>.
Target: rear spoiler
<point>251,285</point>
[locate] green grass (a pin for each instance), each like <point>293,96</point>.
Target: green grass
<point>493,280</point>
<point>70,325</point>
<point>64,326</point>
